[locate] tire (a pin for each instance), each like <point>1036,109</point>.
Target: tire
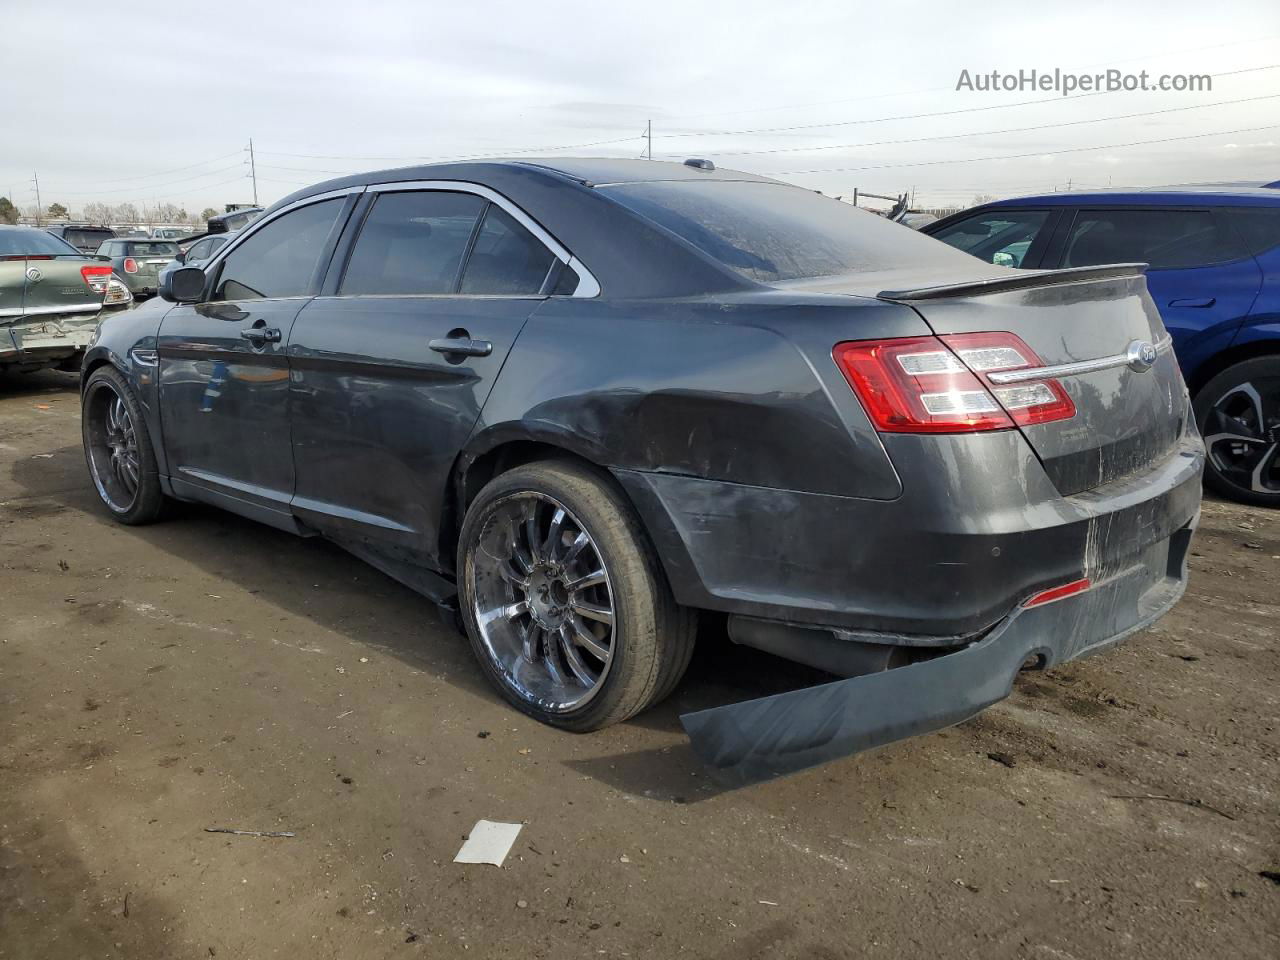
<point>522,605</point>
<point>1238,413</point>
<point>118,450</point>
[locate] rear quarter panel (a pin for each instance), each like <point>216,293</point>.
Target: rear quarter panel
<point>740,389</point>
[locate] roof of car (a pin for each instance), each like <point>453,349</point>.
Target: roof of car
<point>1223,194</point>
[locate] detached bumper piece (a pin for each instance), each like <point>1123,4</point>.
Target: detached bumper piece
<point>758,740</point>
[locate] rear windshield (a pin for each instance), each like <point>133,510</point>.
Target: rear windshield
<point>87,238</point>
<point>771,231</point>
<point>155,248</point>
<point>16,243</point>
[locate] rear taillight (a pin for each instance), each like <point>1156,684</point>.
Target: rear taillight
<point>941,385</point>
<point>96,277</point>
<point>130,265</point>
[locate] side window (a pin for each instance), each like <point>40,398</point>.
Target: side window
<point>506,258</point>
<point>106,249</point>
<point>412,243</point>
<point>1258,226</point>
<point>1002,237</point>
<point>1161,238</point>
<point>280,260</point>
<point>199,251</point>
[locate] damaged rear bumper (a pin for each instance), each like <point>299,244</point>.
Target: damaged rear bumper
<point>47,340</point>
<point>748,742</point>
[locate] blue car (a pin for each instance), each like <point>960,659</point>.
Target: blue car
<point>1213,255</point>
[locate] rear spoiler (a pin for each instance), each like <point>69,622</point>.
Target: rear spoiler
<point>1021,280</point>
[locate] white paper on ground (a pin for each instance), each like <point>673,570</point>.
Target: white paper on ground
<point>489,842</point>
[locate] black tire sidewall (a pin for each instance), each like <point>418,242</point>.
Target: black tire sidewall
<point>149,501</point>
<point>1206,397</point>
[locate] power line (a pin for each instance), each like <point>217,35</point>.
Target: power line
<point>988,133</point>
<point>926,116</point>
<point>1021,156</point>
<point>165,173</point>
<point>505,151</point>
<point>148,187</point>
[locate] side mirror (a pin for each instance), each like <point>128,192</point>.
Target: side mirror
<point>182,285</point>
<point>180,256</point>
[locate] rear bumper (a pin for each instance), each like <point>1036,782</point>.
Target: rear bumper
<point>45,341</point>
<point>978,529</point>
<point>760,739</point>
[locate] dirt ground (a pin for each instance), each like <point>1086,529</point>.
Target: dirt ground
<point>211,672</point>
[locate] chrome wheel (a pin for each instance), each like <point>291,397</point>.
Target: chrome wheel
<point>542,602</point>
<point>1242,436</point>
<point>113,448</point>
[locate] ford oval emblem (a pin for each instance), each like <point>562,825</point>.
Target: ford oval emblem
<point>1142,356</point>
<point>34,274</point>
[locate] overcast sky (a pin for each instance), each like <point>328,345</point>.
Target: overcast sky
<point>156,102</point>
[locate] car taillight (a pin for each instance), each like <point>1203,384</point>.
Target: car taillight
<point>96,277</point>
<point>130,265</point>
<point>941,385</point>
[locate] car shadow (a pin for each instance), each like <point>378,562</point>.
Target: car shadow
<point>39,382</point>
<point>317,580</point>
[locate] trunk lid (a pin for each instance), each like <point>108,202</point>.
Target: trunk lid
<point>55,286</point>
<point>1131,403</point>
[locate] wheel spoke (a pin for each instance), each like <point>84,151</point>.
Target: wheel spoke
<point>507,611</point>
<point>530,637</point>
<point>587,640</point>
<point>131,475</point>
<point>518,554</point>
<point>593,611</point>
<point>580,542</point>
<point>590,580</point>
<point>551,546</point>
<point>574,659</point>
<point>532,540</point>
<point>515,577</point>
<point>552,662</point>
<point>1265,464</point>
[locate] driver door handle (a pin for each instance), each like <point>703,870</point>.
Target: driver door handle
<point>260,335</point>
<point>461,346</point>
<point>1194,302</point>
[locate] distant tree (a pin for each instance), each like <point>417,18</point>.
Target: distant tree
<point>97,213</point>
<point>8,212</point>
<point>57,210</point>
<point>125,213</point>
<point>981,198</point>
<point>208,212</point>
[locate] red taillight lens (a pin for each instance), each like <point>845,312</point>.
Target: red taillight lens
<point>130,265</point>
<point>96,277</point>
<point>1058,593</point>
<point>941,385</point>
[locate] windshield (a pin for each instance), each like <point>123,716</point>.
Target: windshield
<point>772,231</point>
<point>156,248</point>
<point>36,243</point>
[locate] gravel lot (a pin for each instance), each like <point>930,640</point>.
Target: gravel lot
<point>211,672</point>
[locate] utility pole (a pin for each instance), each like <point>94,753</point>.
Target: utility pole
<point>648,139</point>
<point>35,178</point>
<point>253,172</point>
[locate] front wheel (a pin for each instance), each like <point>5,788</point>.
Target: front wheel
<point>1238,413</point>
<point>564,602</point>
<point>118,449</point>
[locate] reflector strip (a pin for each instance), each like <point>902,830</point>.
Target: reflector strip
<point>1058,593</point>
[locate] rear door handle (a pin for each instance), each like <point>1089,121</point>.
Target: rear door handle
<point>260,335</point>
<point>1194,302</point>
<point>461,346</point>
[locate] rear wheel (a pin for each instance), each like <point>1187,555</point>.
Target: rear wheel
<point>118,449</point>
<point>1238,413</point>
<point>564,602</point>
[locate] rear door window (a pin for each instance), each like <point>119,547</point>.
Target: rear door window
<point>412,243</point>
<point>507,259</point>
<point>153,249</point>
<point>281,259</point>
<point>1002,237</point>
<point>1164,239</point>
<point>1258,227</point>
<point>87,239</point>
